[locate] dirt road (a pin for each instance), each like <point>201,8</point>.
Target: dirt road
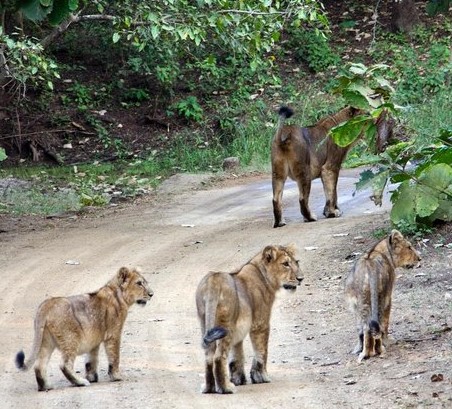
<point>190,228</point>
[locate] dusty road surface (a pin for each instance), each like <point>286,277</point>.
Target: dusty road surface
<point>189,228</point>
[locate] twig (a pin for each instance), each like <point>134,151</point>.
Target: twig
<point>331,363</point>
<point>374,29</point>
<point>414,373</point>
<point>44,132</point>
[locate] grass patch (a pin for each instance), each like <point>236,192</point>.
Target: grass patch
<point>34,201</point>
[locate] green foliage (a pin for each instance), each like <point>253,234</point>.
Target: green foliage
<point>424,177</point>
<point>54,11</point>
<point>136,95</point>
<point>25,65</point>
<point>312,48</point>
<point>366,89</point>
<point>438,6</point>
<point>421,77</point>
<point>419,72</point>
<point>423,171</point>
<point>82,95</point>
<point>190,109</point>
<point>3,155</point>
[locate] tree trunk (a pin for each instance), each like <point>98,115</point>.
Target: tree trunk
<point>405,15</point>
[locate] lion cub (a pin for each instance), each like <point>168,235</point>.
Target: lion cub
<point>368,290</point>
<point>232,305</point>
<point>78,324</point>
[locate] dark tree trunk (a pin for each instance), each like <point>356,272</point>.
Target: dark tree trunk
<point>405,15</point>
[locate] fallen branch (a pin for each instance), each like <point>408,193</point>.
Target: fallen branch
<point>45,132</point>
<point>73,18</point>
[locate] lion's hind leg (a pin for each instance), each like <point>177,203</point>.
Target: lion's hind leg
<point>359,346</point>
<point>69,350</point>
<point>220,368</point>
<point>209,386</point>
<point>278,188</point>
<point>67,367</point>
<point>92,361</point>
<point>237,365</point>
<point>369,342</point>
<point>40,368</point>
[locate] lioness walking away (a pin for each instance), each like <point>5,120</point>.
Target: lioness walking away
<point>306,153</point>
<point>78,324</point>
<point>368,290</point>
<point>232,305</point>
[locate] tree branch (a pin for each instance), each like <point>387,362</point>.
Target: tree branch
<point>73,18</point>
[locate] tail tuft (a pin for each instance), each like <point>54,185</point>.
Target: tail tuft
<point>20,359</point>
<point>285,112</point>
<point>214,334</point>
<point>375,328</point>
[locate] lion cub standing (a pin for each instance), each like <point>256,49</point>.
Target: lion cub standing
<point>233,305</point>
<point>78,324</point>
<point>368,290</point>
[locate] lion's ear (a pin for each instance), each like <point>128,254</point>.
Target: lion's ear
<point>269,253</point>
<point>291,249</point>
<point>122,275</point>
<point>395,237</point>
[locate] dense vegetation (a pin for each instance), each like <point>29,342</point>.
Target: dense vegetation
<point>208,76</point>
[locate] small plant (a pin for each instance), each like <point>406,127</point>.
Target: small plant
<point>313,49</point>
<point>3,155</point>
<point>82,95</point>
<point>190,109</point>
<point>136,95</point>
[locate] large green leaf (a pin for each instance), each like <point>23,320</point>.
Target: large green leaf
<point>34,9</point>
<point>59,12</point>
<point>444,210</point>
<point>403,210</point>
<point>426,200</point>
<point>438,177</point>
<point>355,99</point>
<point>347,133</point>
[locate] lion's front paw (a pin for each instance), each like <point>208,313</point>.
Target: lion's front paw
<point>115,377</point>
<point>208,388</point>
<point>226,389</point>
<point>312,218</point>
<point>92,377</point>
<point>238,379</point>
<point>332,213</point>
<point>279,224</point>
<point>82,382</point>
<point>259,377</point>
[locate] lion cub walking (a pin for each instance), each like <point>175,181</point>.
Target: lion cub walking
<point>368,290</point>
<point>78,324</point>
<point>233,305</point>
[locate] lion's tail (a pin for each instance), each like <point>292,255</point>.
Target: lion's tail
<point>284,113</point>
<point>40,323</point>
<point>374,324</point>
<point>213,331</point>
<point>213,334</point>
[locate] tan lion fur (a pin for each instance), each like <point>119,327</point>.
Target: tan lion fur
<point>368,290</point>
<point>232,305</point>
<point>307,153</point>
<point>79,324</point>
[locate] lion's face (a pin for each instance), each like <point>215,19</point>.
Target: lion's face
<point>134,286</point>
<point>402,251</point>
<point>283,265</point>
